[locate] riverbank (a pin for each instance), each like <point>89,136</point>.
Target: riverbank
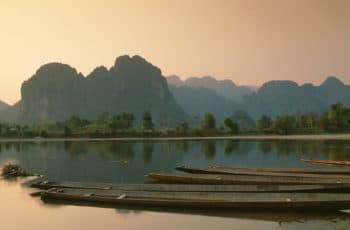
<point>237,137</point>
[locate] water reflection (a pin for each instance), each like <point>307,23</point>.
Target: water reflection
<point>278,216</point>
<point>147,150</point>
<point>128,161</point>
<point>231,146</point>
<point>209,149</point>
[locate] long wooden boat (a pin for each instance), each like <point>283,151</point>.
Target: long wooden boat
<point>327,162</point>
<point>243,179</point>
<point>328,171</point>
<point>232,171</point>
<point>205,199</point>
<point>193,187</point>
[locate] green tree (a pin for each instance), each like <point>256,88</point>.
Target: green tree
<point>264,123</point>
<point>121,121</point>
<point>75,122</point>
<point>115,123</point>
<point>233,126</point>
<point>338,117</point>
<point>283,125</point>
<point>67,131</point>
<point>311,120</point>
<point>147,121</point>
<point>324,122</point>
<point>128,119</point>
<point>183,127</point>
<point>208,122</point>
<point>102,119</point>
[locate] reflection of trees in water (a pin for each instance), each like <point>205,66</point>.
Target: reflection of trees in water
<point>239,147</point>
<point>332,149</point>
<point>284,147</point>
<point>265,146</point>
<point>16,146</point>
<point>183,145</point>
<point>209,149</point>
<point>147,150</point>
<point>288,147</point>
<point>75,148</point>
<point>231,146</point>
<point>120,151</point>
<point>337,150</point>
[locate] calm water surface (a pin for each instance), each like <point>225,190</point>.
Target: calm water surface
<point>128,161</point>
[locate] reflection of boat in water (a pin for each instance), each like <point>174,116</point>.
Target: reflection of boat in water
<point>222,200</point>
<point>280,216</point>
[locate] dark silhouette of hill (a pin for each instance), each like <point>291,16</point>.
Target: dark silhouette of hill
<point>225,88</point>
<point>287,97</point>
<point>57,91</point>
<point>198,101</point>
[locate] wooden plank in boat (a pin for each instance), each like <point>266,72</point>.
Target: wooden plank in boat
<point>205,199</point>
<point>257,173</point>
<point>289,170</point>
<point>327,162</point>
<point>242,179</point>
<point>195,187</point>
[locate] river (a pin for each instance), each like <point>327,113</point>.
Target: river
<point>128,161</point>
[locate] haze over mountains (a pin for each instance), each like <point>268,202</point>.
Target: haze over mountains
<point>57,91</point>
<point>273,98</point>
<point>226,88</point>
<point>287,97</point>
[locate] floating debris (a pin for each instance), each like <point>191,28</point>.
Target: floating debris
<point>12,170</point>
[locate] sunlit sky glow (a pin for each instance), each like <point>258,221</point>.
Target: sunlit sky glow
<point>248,41</point>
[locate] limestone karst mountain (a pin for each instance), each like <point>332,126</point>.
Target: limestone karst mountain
<point>57,91</point>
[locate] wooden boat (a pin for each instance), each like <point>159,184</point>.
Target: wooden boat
<point>316,171</point>
<point>193,187</point>
<point>327,162</point>
<point>232,171</point>
<point>243,179</point>
<point>204,199</point>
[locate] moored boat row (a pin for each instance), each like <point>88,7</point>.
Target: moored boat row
<point>194,187</point>
<point>217,187</point>
<point>205,199</point>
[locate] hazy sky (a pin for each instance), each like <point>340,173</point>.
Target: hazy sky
<point>248,41</point>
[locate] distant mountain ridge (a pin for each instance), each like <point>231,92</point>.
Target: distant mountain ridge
<point>198,101</point>
<point>226,88</point>
<point>287,97</point>
<point>57,91</point>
